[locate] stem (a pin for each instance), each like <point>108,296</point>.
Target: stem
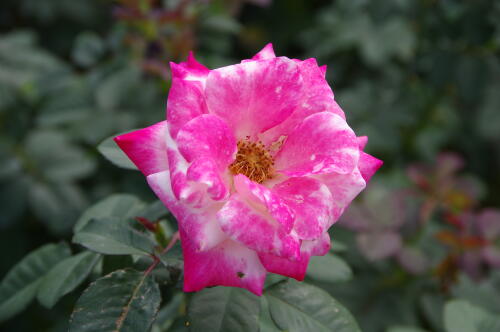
<point>156,260</point>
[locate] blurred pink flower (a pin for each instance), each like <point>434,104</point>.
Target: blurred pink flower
<point>256,162</point>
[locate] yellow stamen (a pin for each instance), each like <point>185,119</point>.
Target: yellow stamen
<point>253,160</point>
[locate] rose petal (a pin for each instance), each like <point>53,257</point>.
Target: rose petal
<point>322,143</point>
<point>254,96</point>
<point>266,53</point>
<point>206,172</point>
<point>312,204</point>
<point>318,247</point>
<point>368,165</point>
<point>362,141</point>
<point>256,229</point>
<point>344,188</point>
<point>228,264</point>
<point>258,195</point>
<point>186,191</point>
<point>186,98</point>
<point>200,226</point>
<point>317,97</point>
<point>297,269</point>
<point>146,148</point>
<point>285,267</point>
<point>207,137</point>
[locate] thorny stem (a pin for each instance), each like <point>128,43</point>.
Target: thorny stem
<point>156,260</point>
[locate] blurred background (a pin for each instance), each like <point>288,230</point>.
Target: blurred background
<point>421,78</point>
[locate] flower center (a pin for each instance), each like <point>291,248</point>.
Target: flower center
<point>253,160</point>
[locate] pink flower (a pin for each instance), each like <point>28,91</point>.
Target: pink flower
<point>256,162</point>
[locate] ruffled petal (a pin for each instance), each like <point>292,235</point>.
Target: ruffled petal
<point>296,269</point>
<point>265,54</point>
<point>254,96</point>
<point>362,141</point>
<point>344,188</point>
<point>285,267</point>
<point>266,200</point>
<point>228,264</point>
<point>322,143</point>
<point>200,226</point>
<point>183,190</point>
<point>146,148</point>
<point>256,229</point>
<point>186,98</point>
<point>207,137</point>
<point>206,172</point>
<point>317,247</point>
<point>368,165</point>
<point>317,97</point>
<point>312,204</point>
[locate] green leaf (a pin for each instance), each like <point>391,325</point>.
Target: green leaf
<point>20,285</point>
<point>114,154</point>
<point>405,329</point>
<point>123,301</point>
<point>266,323</point>
<point>57,158</point>
<point>225,309</point>
<point>116,262</point>
<point>88,49</point>
<point>65,277</point>
<point>461,316</point>
<point>114,236</point>
<point>118,205</point>
<point>301,307</point>
<point>329,268</point>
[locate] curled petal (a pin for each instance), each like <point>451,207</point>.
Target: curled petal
<point>285,267</point>
<point>312,204</point>
<point>362,141</point>
<point>200,226</point>
<point>368,165</point>
<point>228,264</point>
<point>317,97</point>
<point>265,54</point>
<point>146,148</point>
<point>322,143</point>
<point>254,96</point>
<point>317,247</point>
<point>185,191</point>
<point>256,230</point>
<point>344,188</point>
<point>269,202</point>
<point>186,99</point>
<point>297,269</point>
<point>206,172</point>
<point>207,137</point>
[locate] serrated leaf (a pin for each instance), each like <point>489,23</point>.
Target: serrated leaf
<point>114,236</point>
<point>329,268</point>
<point>114,154</point>
<point>21,284</point>
<point>298,307</point>
<point>123,301</point>
<point>65,277</point>
<point>224,309</point>
<point>118,205</point>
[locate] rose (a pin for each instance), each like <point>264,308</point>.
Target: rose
<point>256,162</point>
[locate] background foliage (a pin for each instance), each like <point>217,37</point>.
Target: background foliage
<point>418,251</point>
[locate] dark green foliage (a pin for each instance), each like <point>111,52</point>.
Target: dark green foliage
<point>419,77</point>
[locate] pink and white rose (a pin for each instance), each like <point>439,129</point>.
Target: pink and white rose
<point>256,161</point>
